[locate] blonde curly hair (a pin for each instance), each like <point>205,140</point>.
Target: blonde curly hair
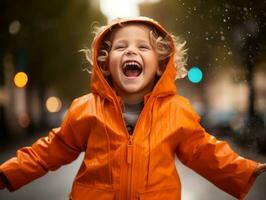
<point>164,45</point>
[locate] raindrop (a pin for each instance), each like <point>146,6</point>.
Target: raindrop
<point>229,53</point>
<point>206,38</point>
<point>224,20</point>
<point>222,38</point>
<point>245,9</point>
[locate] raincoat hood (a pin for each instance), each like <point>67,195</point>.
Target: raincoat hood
<point>164,86</point>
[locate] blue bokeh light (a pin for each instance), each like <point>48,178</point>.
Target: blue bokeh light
<point>195,75</point>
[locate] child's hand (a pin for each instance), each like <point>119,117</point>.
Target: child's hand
<point>260,169</point>
<point>2,185</point>
<point>2,181</point>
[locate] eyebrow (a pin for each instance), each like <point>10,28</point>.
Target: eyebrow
<point>123,40</point>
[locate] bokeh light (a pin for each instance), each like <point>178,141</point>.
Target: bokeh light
<point>14,27</point>
<point>53,104</point>
<point>21,79</point>
<point>24,120</point>
<point>195,75</point>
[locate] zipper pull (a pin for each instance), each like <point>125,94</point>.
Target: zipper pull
<point>129,150</point>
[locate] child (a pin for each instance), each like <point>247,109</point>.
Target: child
<point>132,125</point>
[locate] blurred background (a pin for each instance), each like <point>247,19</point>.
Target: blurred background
<point>42,71</point>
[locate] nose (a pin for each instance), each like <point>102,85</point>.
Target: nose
<point>130,51</point>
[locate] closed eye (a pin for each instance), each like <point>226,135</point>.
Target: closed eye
<point>144,47</point>
<point>119,47</point>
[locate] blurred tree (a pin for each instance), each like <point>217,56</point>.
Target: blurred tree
<point>49,39</point>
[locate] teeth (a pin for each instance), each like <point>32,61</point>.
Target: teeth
<point>131,63</point>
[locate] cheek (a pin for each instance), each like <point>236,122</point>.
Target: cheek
<point>113,58</point>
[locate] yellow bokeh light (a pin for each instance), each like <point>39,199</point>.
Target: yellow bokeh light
<point>53,104</point>
<point>21,79</point>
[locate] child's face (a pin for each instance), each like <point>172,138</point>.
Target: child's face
<point>133,62</point>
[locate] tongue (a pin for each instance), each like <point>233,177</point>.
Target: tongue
<point>132,72</point>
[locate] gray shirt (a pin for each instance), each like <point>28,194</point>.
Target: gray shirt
<point>131,114</point>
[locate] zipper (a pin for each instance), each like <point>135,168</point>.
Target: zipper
<point>129,150</point>
<point>129,158</point>
<point>129,154</point>
<point>129,166</point>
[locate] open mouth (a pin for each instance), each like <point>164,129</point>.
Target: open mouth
<point>132,69</point>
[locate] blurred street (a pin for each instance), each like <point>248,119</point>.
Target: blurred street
<point>57,185</point>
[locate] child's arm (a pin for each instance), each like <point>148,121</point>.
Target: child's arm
<point>3,181</point>
<point>213,159</point>
<point>60,147</point>
<point>217,162</point>
<point>260,169</point>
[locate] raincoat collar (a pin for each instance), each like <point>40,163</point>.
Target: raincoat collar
<point>165,85</point>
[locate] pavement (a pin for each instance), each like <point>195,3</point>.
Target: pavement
<point>57,185</point>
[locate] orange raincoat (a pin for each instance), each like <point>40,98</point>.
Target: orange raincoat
<point>118,166</point>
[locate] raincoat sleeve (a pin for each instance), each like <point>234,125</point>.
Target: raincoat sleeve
<point>60,147</point>
<point>214,159</point>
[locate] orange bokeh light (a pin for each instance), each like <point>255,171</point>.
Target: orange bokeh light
<point>21,79</point>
